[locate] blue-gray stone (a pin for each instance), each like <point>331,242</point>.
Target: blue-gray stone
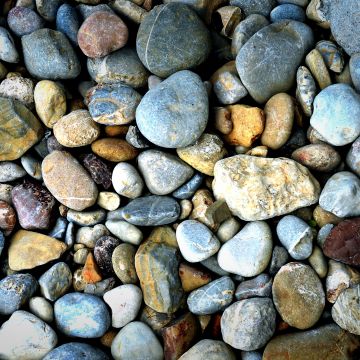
<point>212,264</point>
<point>353,157</point>
<point>302,3</point>
<point>15,291</point>
<point>277,50</point>
<point>187,190</point>
<point>48,54</point>
<point>70,235</point>
<point>120,66</point>
<point>32,165</point>
<point>163,42</point>
<point>174,113</point>
<point>76,351</point>
<point>355,70</point>
<point>135,138</point>
<point>260,286</point>
<point>59,230</point>
<point>48,8</point>
<point>2,242</point>
<point>151,210</point>
<point>262,7</point>
<point>287,12</point>
<point>23,21</point>
<point>332,55</point>
<point>56,281</point>
<point>113,104</point>
<point>101,287</point>
<point>67,22</point>
<point>81,315</point>
<point>8,50</point>
<point>87,10</point>
<point>336,114</point>
<point>279,257</point>
<point>212,297</point>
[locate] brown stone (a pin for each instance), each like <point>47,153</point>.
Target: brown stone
<point>202,200</point>
<point>78,281</point>
<point>116,130</point>
<point>156,320</point>
<point>164,235</point>
<point>108,337</point>
<point>91,273</point>
<point>192,278</point>
<point>222,120</point>
<point>113,149</point>
<point>7,218</point>
<point>99,171</point>
<point>323,217</point>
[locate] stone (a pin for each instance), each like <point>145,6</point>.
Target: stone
<point>131,10</point>
<point>315,62</point>
<point>120,66</point>
<point>353,157</point>
<point>8,50</point>
<point>123,262</point>
<point>108,200</point>
<point>136,341</point>
<point>34,205</point>
<point>78,280</point>
<point>136,139</point>
<point>15,292</point>
<point>192,277</point>
<point>325,342</point>
<point>7,218</point>
<point>248,125</point>
<point>174,114</point>
<point>48,55</point>
<point>125,231</point>
<point>20,89</point>
<point>113,149</point>
<point>59,229</point>
<point>318,262</point>
<point>204,153</point>
<point>68,181</point>
<point>10,171</point>
<point>332,55</point>
<point>189,188</point>
<point>92,7</point>
<point>5,192</point>
<point>102,33</point>
<point>80,257</point>
<point>20,129</point>
<point>262,7</point>
<point>248,253</point>
<point>101,287</point>
<point>157,267</point>
<point>32,166</point>
<point>298,295</point>
<point>86,218</point>
<point>228,229</point>
<point>48,8</point>
<point>41,308</point>
<point>157,321</point>
<point>196,241</point>
<point>76,129</point>
<point>211,298</point>
<point>68,22</point>
<point>319,12</point>
<point>100,172</point>
<point>212,264</point>
<point>305,90</point>
<point>171,23</point>
<point>103,250</point>
<point>285,40</point>
<point>81,315</point>
<point>289,186</point>
<point>125,302</point>
<point>76,350</point>
<point>113,104</point>
<point>30,249</point>
<point>222,120</point>
<point>323,234</point>
<point>2,242</point>
<point>127,180</point>
<point>248,324</point>
<point>91,273</point>
<point>354,64</point>
<point>323,217</point>
<point>34,341</point>
<point>260,286</point>
<point>287,12</point>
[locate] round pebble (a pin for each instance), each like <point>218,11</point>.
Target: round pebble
<point>113,149</point>
<point>123,262</point>
<point>108,200</point>
<point>127,181</point>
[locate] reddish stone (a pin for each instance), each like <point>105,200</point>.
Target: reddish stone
<point>99,171</point>
<point>7,218</point>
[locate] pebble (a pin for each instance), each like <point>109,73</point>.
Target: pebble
<point>113,149</point>
<point>87,10</point>
<point>34,205</point>
<point>89,235</point>
<point>296,236</point>
<point>103,250</point>
<point>32,166</point>
<point>68,181</point>
<point>76,129</point>
<point>163,172</point>
<point>86,218</point>
<point>99,171</point>
<point>228,229</point>
<point>41,308</point>
<point>10,171</point>
<point>123,262</point>
<point>292,186</point>
<point>248,253</point>
<point>298,295</point>
<point>332,55</point>
<point>50,102</point>
<point>101,287</point>
<point>354,64</point>
<point>30,249</point>
<point>287,12</point>
<point>113,104</point>
<point>108,200</point>
<point>305,90</point>
<point>74,351</point>
<point>248,324</point>
<point>284,43</point>
<point>23,20</point>
<point>25,131</point>
<point>8,50</point>
<point>15,291</point>
<point>323,217</point>
<point>323,234</point>
<point>189,188</point>
<point>262,7</point>
<point>125,302</point>
<point>127,181</point>
<point>56,281</point>
<point>136,341</point>
<point>136,139</point>
<point>80,256</point>
<point>315,62</point>
<point>125,231</point>
<point>165,125</point>
<point>260,286</point>
<point>202,200</point>
<point>81,315</point>
<point>2,242</point>
<point>67,22</point>
<point>7,218</point>
<point>48,8</point>
<point>90,273</point>
<point>157,321</point>
<point>34,341</point>
<point>318,262</point>
<point>48,55</point>
<point>20,89</point>
<point>353,157</point>
<point>193,277</point>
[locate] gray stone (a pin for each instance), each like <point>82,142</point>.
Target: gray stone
<point>353,157</point>
<point>277,50</point>
<point>228,88</point>
<point>48,8</point>
<point>59,229</point>
<point>41,308</point>
<point>302,3</point>
<point>76,351</point>
<point>355,70</point>
<point>279,258</point>
<point>10,171</point>
<point>305,89</point>
<point>211,298</point>
<point>212,264</point>
<point>125,231</point>
<point>323,234</point>
<point>89,235</point>
<point>248,324</point>
<point>70,235</point>
<point>100,287</point>
<point>87,10</point>
<point>175,113</point>
<point>127,180</point>
<point>32,166</point>
<point>187,190</point>
<point>136,139</point>
<point>2,242</point>
<point>228,229</point>
<point>260,286</point>
<point>332,55</point>
<point>86,218</point>
<point>262,7</point>
<point>8,50</point>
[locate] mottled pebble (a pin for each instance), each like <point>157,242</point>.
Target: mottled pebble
<point>305,90</point>
<point>68,22</point>
<point>103,250</point>
<point>86,218</point>
<point>100,172</point>
<point>260,286</point>
<point>108,200</point>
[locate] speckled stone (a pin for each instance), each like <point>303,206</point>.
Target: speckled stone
<point>86,218</point>
<point>10,171</point>
<point>18,88</point>
<point>99,171</point>
<point>125,231</point>
<point>68,22</point>
<point>48,8</point>
<point>23,20</point>
<point>260,286</point>
<point>8,50</point>
<point>127,181</point>
<point>123,262</point>
<point>262,7</point>
<point>7,218</point>
<point>42,308</point>
<point>305,90</point>
<point>103,250</point>
<point>32,166</point>
<point>76,351</point>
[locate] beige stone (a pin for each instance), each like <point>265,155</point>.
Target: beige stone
<point>317,66</point>
<point>323,217</point>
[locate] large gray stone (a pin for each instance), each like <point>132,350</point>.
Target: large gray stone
<point>262,7</point>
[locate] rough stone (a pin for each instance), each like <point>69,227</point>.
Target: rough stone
<point>7,218</point>
<point>305,90</point>
<point>103,250</point>
<point>100,172</point>
<point>260,286</point>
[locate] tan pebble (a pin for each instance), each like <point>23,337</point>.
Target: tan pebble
<point>114,149</point>
<point>116,130</point>
<point>318,262</point>
<point>323,217</point>
<point>222,120</point>
<point>201,200</point>
<point>192,277</point>
<point>186,208</point>
<point>108,337</point>
<point>108,200</point>
<point>317,66</point>
<point>260,151</point>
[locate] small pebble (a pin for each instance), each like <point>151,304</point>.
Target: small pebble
<point>318,262</point>
<point>123,262</point>
<point>228,229</point>
<point>332,56</point>
<point>86,218</point>
<point>100,287</point>
<point>103,250</point>
<point>89,235</point>
<point>10,171</point>
<point>260,286</point>
<point>32,166</point>
<point>305,90</point>
<point>75,350</point>
<point>108,200</point>
<point>41,308</point>
<point>100,172</point>
<point>315,62</point>
<point>127,181</point>
<point>115,150</point>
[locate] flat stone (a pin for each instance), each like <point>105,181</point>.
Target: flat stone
<point>123,262</point>
<point>7,218</point>
<point>113,149</point>
<point>8,50</point>
<point>125,231</point>
<point>42,308</point>
<point>74,351</point>
<point>127,180</point>
<point>100,172</point>
<point>103,250</point>
<point>260,286</point>
<point>86,218</point>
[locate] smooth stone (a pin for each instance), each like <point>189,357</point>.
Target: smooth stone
<point>30,249</point>
<point>56,281</point>
<point>136,341</point>
<point>302,3</point>
<point>32,166</point>
<point>7,218</point>
<point>319,12</point>
<point>248,324</point>
<point>187,190</point>
<point>323,217</point>
<point>89,235</point>
<point>108,200</point>
<point>163,172</point>
<point>298,295</point>
<point>5,192</point>
<point>34,205</point>
<point>136,139</point>
<point>193,277</point>
<point>86,218</point>
<point>68,22</point>
<point>75,351</point>
<point>323,234</point>
<point>120,66</point>
<point>81,315</point>
<point>262,7</point>
<point>315,62</point>
<point>2,242</point>
<point>113,149</point>
<point>8,52</point>
<point>23,20</point>
<point>48,55</point>
<point>287,12</point>
<point>123,262</point>
<point>20,129</point>
<point>196,241</point>
<point>157,321</point>
<point>113,104</point>
<point>103,250</point>
<point>125,231</point>
<point>318,262</point>
<point>50,102</point>
<point>228,229</point>
<point>211,298</point>
<point>284,44</point>
<point>127,181</point>
<point>18,88</point>
<point>332,55</point>
<point>305,90</point>
<point>79,283</point>
<point>248,253</point>
<point>175,113</point>
<point>70,235</point>
<point>100,288</point>
<point>15,291</point>
<point>42,308</point>
<point>91,273</point>
<point>34,338</point>
<point>87,10</point>
<point>289,186</point>
<point>354,64</point>
<point>68,181</point>
<point>76,129</point>
<point>99,171</point>
<point>80,257</point>
<point>353,157</point>
<point>260,286</point>
<point>125,302</point>
<point>10,171</point>
<point>48,8</point>
<point>151,210</point>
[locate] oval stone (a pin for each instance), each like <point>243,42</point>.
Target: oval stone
<point>114,149</point>
<point>75,351</point>
<point>23,20</point>
<point>127,181</point>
